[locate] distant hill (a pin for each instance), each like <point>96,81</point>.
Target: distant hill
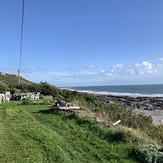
<point>13,79</point>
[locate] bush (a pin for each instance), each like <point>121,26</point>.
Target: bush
<point>50,98</point>
<point>150,154</point>
<point>26,102</point>
<point>3,87</point>
<point>47,89</point>
<point>47,102</point>
<point>134,136</point>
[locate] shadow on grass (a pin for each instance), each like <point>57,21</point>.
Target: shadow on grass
<point>48,111</point>
<point>45,112</point>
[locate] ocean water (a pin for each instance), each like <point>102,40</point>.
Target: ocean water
<point>153,90</point>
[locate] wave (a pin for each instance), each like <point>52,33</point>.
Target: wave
<point>118,93</point>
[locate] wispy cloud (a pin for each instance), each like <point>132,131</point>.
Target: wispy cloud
<point>118,66</point>
<point>89,66</point>
<point>144,71</point>
<point>112,71</point>
<point>143,68</point>
<point>161,59</point>
<point>31,70</point>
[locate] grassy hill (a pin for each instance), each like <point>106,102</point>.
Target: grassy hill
<point>12,79</point>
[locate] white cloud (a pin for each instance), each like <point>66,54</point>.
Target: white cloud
<point>88,73</point>
<point>147,64</point>
<point>144,67</point>
<point>161,59</point>
<point>131,71</point>
<point>111,73</point>
<point>102,71</point>
<point>30,70</point>
<point>106,73</point>
<point>118,66</point>
<point>144,64</point>
<point>144,71</point>
<point>112,70</point>
<point>89,66</point>
<point>137,64</point>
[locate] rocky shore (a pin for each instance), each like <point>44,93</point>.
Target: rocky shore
<point>150,106</point>
<point>143,103</point>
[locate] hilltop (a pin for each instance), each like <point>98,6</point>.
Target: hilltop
<point>13,79</point>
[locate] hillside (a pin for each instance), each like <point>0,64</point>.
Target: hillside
<point>34,134</point>
<point>12,78</point>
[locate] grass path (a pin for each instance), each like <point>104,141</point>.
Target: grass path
<point>33,134</point>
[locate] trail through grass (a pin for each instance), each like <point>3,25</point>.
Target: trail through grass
<point>34,134</point>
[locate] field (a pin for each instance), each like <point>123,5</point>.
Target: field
<point>31,133</point>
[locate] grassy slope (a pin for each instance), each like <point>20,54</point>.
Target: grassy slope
<point>33,134</point>
<point>13,79</point>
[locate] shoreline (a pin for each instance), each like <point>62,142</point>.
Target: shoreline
<point>135,102</point>
<point>150,106</point>
<point>105,93</point>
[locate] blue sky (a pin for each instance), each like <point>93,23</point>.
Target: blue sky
<point>83,42</point>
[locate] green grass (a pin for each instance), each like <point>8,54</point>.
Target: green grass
<point>31,133</point>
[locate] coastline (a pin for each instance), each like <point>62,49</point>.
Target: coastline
<point>135,102</point>
<point>148,102</point>
<point>147,90</point>
<point>150,106</point>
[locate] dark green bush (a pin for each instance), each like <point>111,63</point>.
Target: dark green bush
<point>26,102</point>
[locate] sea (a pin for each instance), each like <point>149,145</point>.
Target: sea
<point>150,90</point>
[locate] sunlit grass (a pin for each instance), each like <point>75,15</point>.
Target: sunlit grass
<point>33,134</point>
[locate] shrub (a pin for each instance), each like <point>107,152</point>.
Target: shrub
<point>26,102</point>
<point>150,154</point>
<point>136,136</point>
<point>50,98</point>
<point>47,102</point>
<point>47,89</point>
<point>3,87</point>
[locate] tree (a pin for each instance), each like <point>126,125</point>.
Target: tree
<point>3,87</point>
<point>46,88</point>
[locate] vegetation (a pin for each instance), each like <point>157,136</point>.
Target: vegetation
<point>11,78</point>
<point>3,87</point>
<point>150,154</point>
<point>30,132</point>
<point>33,134</point>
